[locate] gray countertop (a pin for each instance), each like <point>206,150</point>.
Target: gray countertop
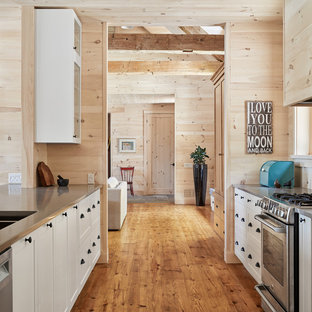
<point>47,202</point>
<point>262,191</point>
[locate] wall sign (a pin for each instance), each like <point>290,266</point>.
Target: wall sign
<point>259,127</point>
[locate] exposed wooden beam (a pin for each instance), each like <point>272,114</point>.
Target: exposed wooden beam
<point>175,30</point>
<point>165,67</point>
<point>219,57</point>
<point>191,30</point>
<point>165,42</point>
<point>157,30</point>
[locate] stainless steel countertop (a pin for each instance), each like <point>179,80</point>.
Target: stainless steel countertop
<point>261,191</point>
<point>48,202</point>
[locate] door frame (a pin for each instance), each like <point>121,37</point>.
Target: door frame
<point>145,152</point>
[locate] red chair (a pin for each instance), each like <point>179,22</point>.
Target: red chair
<point>127,175</point>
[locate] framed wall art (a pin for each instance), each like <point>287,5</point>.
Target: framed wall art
<point>127,145</point>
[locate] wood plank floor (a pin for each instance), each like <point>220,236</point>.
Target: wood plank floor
<point>167,258</point>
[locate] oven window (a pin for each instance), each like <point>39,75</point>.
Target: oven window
<point>273,256</point>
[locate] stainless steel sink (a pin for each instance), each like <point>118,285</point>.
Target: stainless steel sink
<point>9,217</point>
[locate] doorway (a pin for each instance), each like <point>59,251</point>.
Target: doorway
<point>159,159</point>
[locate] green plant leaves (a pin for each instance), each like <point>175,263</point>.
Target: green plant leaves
<point>199,155</point>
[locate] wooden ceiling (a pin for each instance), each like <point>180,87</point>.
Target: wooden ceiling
<point>166,12</point>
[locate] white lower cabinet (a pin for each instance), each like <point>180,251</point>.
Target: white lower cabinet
<point>247,238</point>
<point>43,240</point>
<point>23,274</point>
<point>305,263</point>
<point>51,264</point>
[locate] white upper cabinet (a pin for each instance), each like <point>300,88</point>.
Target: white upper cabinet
<point>298,52</point>
<point>58,76</point>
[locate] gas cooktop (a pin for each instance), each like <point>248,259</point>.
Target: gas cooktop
<point>295,199</point>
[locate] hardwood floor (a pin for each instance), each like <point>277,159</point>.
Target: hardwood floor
<point>167,258</point>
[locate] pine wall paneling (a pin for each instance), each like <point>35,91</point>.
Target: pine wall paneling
<point>10,92</point>
<point>253,70</point>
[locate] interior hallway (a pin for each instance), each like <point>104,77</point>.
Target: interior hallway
<point>167,258</point>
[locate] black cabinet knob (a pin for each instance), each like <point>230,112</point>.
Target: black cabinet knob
<point>217,225</point>
<point>89,251</point>
<point>256,204</point>
<point>82,261</point>
<point>29,239</point>
<point>236,215</point>
<point>64,214</point>
<point>258,230</point>
<point>248,200</point>
<point>98,202</point>
<point>82,216</point>
<point>243,219</point>
<point>93,206</point>
<point>236,243</point>
<point>249,256</point>
<point>94,244</point>
<point>236,194</point>
<point>302,220</point>
<point>242,197</point>
<point>98,237</point>
<point>217,206</point>
<point>89,210</point>
<point>75,136</point>
<point>250,224</point>
<point>75,207</point>
<point>49,224</point>
<point>257,265</point>
<point>243,249</point>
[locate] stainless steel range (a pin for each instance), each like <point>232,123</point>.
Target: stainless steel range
<point>279,290</point>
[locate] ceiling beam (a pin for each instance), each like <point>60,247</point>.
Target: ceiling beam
<point>157,30</point>
<point>164,67</point>
<point>165,42</point>
<point>191,30</point>
<point>218,57</point>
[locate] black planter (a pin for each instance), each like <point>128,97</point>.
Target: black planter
<point>200,183</point>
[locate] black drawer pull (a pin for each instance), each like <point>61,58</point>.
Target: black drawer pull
<point>243,219</point>
<point>248,200</point>
<point>94,244</point>
<point>257,265</point>
<point>217,225</point>
<point>82,216</point>
<point>82,261</point>
<point>89,210</point>
<point>98,202</point>
<point>89,251</point>
<point>75,207</point>
<point>93,206</point>
<point>258,230</point>
<point>236,194</point>
<point>217,206</point>
<point>49,224</point>
<point>302,220</point>
<point>64,214</point>
<point>98,237</point>
<point>236,215</point>
<point>249,256</point>
<point>29,239</point>
<point>243,249</point>
<point>74,48</point>
<point>256,204</point>
<point>242,197</point>
<point>236,243</point>
<point>250,224</point>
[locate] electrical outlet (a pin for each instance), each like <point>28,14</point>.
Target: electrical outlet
<point>90,178</point>
<point>15,178</point>
<point>188,165</point>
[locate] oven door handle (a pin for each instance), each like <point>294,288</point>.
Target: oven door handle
<point>273,225</point>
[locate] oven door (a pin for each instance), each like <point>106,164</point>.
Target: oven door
<point>276,251</point>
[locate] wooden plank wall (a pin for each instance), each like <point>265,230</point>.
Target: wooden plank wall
<point>75,161</point>
<point>127,122</point>
<point>253,71</point>
<point>194,119</point>
<point>10,92</point>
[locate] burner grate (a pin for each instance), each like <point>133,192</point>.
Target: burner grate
<point>295,199</point>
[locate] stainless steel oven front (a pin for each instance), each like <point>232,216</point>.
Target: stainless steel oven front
<point>277,290</point>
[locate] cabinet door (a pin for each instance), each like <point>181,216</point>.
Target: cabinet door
<point>73,254</point>
<point>305,264</point>
<point>44,268</point>
<point>23,274</point>
<point>60,262</point>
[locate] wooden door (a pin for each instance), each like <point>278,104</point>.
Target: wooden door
<point>159,153</point>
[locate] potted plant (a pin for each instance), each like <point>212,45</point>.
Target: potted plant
<point>200,174</point>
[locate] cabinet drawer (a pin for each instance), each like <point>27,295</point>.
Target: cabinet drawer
<point>239,196</point>
<point>84,262</point>
<point>95,245</point>
<point>84,217</point>
<point>218,205</point>
<point>219,226</point>
<point>240,251</point>
<point>254,264</point>
<point>95,204</point>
